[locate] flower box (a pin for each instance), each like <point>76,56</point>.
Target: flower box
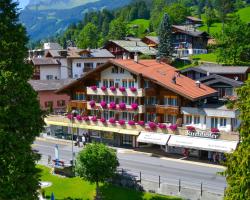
<point>92,103</point>
<point>141,123</point>
<point>122,106</point>
<point>152,125</point>
<point>94,119</point>
<point>103,88</point>
<point>122,89</point>
<point>79,117</point>
<point>173,127</point>
<point>131,123</point>
<point>70,116</point>
<point>113,88</point>
<point>191,128</point>
<point>112,121</point>
<point>103,104</point>
<point>85,118</point>
<point>162,126</point>
<point>134,106</point>
<point>133,89</point>
<point>121,122</point>
<point>103,120</point>
<point>215,130</point>
<point>112,105</point>
<point>94,87</point>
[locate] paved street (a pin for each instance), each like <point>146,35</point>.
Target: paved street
<point>170,170</point>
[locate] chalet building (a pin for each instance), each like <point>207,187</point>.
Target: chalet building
<point>126,49</point>
<point>193,21</point>
<point>151,41</point>
<point>49,100</point>
<point>145,102</point>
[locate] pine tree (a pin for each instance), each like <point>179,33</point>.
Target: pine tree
<point>20,115</point>
<point>165,48</point>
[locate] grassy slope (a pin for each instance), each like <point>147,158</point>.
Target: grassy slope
<point>76,188</point>
<point>142,24</point>
<point>210,57</point>
<point>216,27</point>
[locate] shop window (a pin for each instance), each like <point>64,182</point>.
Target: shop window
<point>223,122</point>
<point>196,119</point>
<point>189,119</point>
<point>214,122</point>
<point>61,103</point>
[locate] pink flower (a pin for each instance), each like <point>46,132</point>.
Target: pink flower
<point>103,88</point>
<point>190,128</point>
<point>152,125</point>
<point>122,89</point>
<point>112,88</point>
<point>94,119</point>
<point>103,120</point>
<point>121,122</point>
<point>133,89</point>
<point>173,127</point>
<point>112,121</point>
<point>131,123</point>
<point>122,106</point>
<point>162,126</point>
<point>141,123</point>
<point>94,87</point>
<point>92,103</point>
<point>70,116</point>
<point>112,105</point>
<point>134,106</point>
<point>215,130</point>
<point>79,117</point>
<point>103,104</point>
<point>85,118</point>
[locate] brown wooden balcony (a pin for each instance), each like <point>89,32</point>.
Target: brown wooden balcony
<point>77,104</point>
<point>166,109</point>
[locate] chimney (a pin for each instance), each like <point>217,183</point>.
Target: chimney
<point>174,80</point>
<point>198,84</point>
<point>136,57</point>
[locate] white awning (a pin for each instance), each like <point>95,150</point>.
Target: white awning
<point>202,143</point>
<point>153,138</point>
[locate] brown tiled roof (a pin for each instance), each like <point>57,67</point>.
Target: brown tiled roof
<point>45,61</point>
<point>160,73</point>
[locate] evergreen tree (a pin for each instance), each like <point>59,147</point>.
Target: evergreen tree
<point>238,163</point>
<point>165,48</point>
<point>20,114</point>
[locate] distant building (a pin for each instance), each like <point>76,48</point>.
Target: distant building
<point>151,41</point>
<point>194,21</point>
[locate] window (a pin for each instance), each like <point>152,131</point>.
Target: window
<point>48,104</point>
<point>105,83</point>
<point>125,116</point>
<point>214,122</point>
<point>131,83</point>
<point>80,96</point>
<point>88,67</point>
<point>130,100</point>
<point>98,64</point>
<point>170,101</point>
<point>76,75</point>
<point>127,140</point>
<point>131,116</point>
<point>124,83</point>
<point>223,122</point>
<point>125,99</point>
<point>229,91</point>
<point>122,71</point>
<point>111,99</point>
<point>49,77</point>
<point>146,84</point>
<point>111,114</point>
<point>106,99</point>
<point>189,119</point>
<point>151,100</point>
<point>170,118</point>
<point>114,70</point>
<point>105,115</point>
<point>111,82</point>
<point>61,103</point>
<point>150,116</point>
<point>78,64</point>
<point>196,119</point>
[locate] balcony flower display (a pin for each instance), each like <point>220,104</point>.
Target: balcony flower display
<point>94,87</point>
<point>70,116</point>
<point>134,106</point>
<point>191,128</point>
<point>133,89</point>
<point>85,118</point>
<point>162,126</point>
<point>173,127</point>
<point>122,106</point>
<point>92,103</point>
<point>103,104</point>
<point>79,117</point>
<point>113,88</point>
<point>122,89</point>
<point>121,122</point>
<point>141,123</point>
<point>152,125</point>
<point>215,130</point>
<point>112,105</point>
<point>103,88</point>
<point>131,123</point>
<point>112,120</point>
<point>94,119</point>
<point>103,120</point>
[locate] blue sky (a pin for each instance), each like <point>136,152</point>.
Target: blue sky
<point>23,3</point>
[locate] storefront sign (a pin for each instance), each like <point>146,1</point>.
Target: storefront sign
<point>203,134</point>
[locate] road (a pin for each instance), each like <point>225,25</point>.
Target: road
<point>170,170</point>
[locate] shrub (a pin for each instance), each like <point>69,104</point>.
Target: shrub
<point>103,120</point>
<point>85,118</point>
<point>70,116</point>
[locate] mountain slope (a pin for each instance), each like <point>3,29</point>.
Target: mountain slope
<point>41,24</point>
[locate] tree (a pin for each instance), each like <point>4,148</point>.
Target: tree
<point>233,43</point>
<point>117,30</point>
<point>238,163</point>
<point>88,37</point>
<point>209,15</point>
<point>165,49</point>
<point>20,114</point>
<point>177,12</point>
<point>96,163</point>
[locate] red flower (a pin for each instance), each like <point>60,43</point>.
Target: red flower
<point>190,128</point>
<point>112,121</point>
<point>103,88</point>
<point>134,106</point>
<point>133,89</point>
<point>122,106</point>
<point>112,88</point>
<point>162,126</point>
<point>152,125</point>
<point>92,103</point>
<point>94,87</point>
<point>121,122</point>
<point>122,89</point>
<point>141,123</point>
<point>131,123</point>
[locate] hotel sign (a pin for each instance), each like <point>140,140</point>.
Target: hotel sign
<point>203,134</point>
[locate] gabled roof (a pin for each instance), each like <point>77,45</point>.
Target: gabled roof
<point>45,61</point>
<point>160,73</point>
<point>195,19</point>
<point>214,78</point>
<point>154,39</point>
<point>190,31</point>
<point>93,53</point>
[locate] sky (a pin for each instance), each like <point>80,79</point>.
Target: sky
<point>23,3</point>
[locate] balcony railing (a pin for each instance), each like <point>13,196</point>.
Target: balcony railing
<point>141,108</point>
<point>79,104</point>
<point>138,93</point>
<point>167,109</point>
<point>126,128</point>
